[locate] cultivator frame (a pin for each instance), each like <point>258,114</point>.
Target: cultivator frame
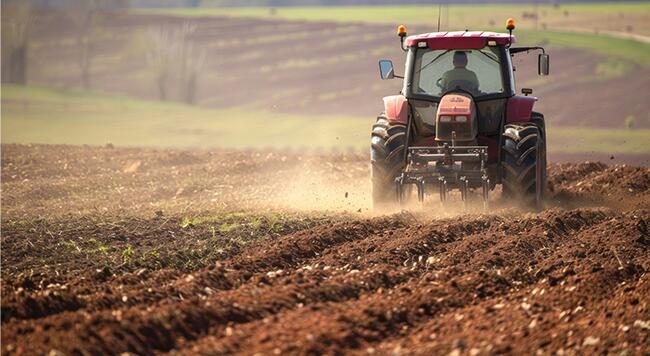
<point>445,166</point>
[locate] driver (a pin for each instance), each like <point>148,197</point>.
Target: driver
<point>460,76</point>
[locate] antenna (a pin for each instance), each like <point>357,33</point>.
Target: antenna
<point>439,11</point>
<point>447,17</point>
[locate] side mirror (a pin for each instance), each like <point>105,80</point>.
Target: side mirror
<point>543,64</point>
<point>386,69</point>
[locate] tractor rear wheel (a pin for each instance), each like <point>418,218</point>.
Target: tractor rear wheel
<point>524,164</point>
<point>386,159</point>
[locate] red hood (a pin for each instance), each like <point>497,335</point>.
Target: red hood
<point>455,104</point>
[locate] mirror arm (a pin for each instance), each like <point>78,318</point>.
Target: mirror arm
<point>516,50</point>
<point>401,42</point>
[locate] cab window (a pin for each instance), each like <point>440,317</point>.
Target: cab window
<point>477,71</point>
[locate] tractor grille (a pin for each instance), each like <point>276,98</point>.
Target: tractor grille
<point>464,131</point>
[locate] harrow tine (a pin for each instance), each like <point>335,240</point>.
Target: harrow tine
<point>486,191</point>
<point>461,187</point>
<point>464,190</point>
<point>443,189</point>
<point>398,190</point>
<point>420,184</point>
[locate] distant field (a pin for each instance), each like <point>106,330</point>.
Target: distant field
<point>39,115</point>
<point>629,50</point>
<point>606,29</point>
<point>622,17</point>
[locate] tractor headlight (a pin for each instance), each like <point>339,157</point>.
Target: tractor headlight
<point>461,118</point>
<point>445,118</point>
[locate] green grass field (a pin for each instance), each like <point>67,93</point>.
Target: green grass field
<point>39,115</point>
<point>604,16</point>
<point>473,14</point>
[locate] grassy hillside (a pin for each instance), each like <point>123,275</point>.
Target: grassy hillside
<point>40,115</point>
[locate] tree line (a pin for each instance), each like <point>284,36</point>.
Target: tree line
<point>169,50</point>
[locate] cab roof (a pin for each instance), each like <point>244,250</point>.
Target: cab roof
<point>459,39</point>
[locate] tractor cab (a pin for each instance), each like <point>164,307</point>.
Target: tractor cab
<point>474,64</point>
<point>457,98</point>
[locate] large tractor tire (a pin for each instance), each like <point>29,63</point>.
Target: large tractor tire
<point>386,159</point>
<point>524,164</point>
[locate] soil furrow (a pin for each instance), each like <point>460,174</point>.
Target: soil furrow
<point>135,289</point>
<point>340,327</point>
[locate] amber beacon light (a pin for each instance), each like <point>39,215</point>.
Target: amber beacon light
<point>401,30</point>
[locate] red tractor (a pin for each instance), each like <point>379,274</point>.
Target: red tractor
<point>458,122</point>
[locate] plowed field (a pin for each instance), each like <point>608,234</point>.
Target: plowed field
<point>111,250</point>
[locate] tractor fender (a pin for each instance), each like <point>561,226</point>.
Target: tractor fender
<point>519,108</point>
<point>396,109</point>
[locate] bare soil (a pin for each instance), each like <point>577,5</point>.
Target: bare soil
<point>110,250</point>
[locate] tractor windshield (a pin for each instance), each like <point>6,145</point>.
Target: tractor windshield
<point>477,71</point>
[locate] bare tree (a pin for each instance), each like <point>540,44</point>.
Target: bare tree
<point>175,58</point>
<point>192,60</point>
<point>17,20</point>
<point>89,17</point>
<point>195,59</point>
<point>86,43</point>
<point>161,57</point>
